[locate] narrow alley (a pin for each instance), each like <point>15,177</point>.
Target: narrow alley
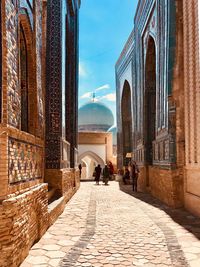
<point>112,226</point>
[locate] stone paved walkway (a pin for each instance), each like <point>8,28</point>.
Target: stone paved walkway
<point>112,226</point>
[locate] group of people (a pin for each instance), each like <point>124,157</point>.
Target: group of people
<point>131,172</point>
<point>107,173</point>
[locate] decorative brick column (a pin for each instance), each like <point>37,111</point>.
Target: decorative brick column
<point>61,93</point>
<point>191,20</point>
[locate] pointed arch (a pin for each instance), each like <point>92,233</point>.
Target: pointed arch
<point>126,120</point>
<point>92,155</point>
<point>27,74</point>
<point>91,160</point>
<point>150,100</point>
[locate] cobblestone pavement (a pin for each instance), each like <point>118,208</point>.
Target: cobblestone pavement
<point>112,226</point>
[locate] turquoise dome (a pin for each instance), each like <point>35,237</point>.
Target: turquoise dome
<point>94,116</point>
<point>113,130</point>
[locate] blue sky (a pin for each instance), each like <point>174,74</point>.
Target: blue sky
<point>105,26</point>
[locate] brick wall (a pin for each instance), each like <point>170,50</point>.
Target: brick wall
<point>192,105</point>
<point>65,183</point>
<point>62,181</point>
<point>23,220</point>
<point>24,214</point>
<point>23,195</point>
<point>166,185</point>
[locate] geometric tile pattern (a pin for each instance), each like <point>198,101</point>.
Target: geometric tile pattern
<point>25,161</point>
<point>53,86</point>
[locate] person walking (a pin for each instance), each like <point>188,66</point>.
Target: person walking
<point>111,169</point>
<point>106,175</point>
<point>135,180</point>
<point>134,174</point>
<point>97,173</point>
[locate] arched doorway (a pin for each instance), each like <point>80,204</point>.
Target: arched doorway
<point>29,106</point>
<point>126,121</point>
<point>150,103</point>
<point>24,81</point>
<point>89,161</point>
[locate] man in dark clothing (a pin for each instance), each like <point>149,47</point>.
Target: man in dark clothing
<point>106,175</point>
<point>134,174</point>
<point>97,174</point>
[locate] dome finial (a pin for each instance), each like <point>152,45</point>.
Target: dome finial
<point>93,97</point>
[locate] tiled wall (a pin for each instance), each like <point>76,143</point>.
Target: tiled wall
<point>23,220</point>
<point>25,161</point>
<point>13,90</point>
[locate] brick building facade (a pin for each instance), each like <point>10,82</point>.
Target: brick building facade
<point>157,97</point>
<point>38,134</point>
<point>191,27</point>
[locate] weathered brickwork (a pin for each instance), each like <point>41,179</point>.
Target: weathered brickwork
<point>192,104</point>
<point>70,185</point>
<point>25,161</point>
<point>62,180</point>
<point>166,185</point>
<point>23,220</point>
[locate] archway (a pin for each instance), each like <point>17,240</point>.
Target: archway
<point>150,102</point>
<point>24,81</point>
<point>89,161</point>
<point>126,121</point>
<point>27,74</point>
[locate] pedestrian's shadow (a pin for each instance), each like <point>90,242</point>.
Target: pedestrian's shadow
<point>179,215</point>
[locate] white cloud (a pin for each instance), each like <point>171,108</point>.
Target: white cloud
<point>86,95</point>
<point>110,97</point>
<point>82,70</point>
<point>106,86</point>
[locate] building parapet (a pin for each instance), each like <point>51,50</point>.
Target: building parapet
<point>126,49</point>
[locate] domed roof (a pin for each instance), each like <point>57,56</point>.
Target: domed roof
<point>113,130</point>
<point>95,116</point>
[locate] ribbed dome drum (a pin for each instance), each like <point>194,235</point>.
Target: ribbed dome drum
<point>94,117</point>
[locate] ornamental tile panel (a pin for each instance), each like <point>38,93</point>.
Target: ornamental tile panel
<point>25,161</point>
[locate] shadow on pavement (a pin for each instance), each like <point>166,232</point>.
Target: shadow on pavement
<point>179,215</point>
